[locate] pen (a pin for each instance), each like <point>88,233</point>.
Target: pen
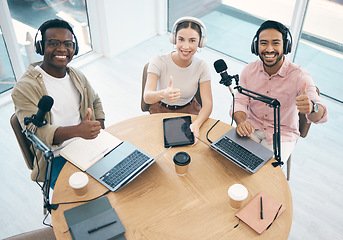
<point>96,156</point>
<point>100,227</point>
<point>261,208</point>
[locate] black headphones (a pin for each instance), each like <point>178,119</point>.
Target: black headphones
<point>39,44</point>
<point>287,42</point>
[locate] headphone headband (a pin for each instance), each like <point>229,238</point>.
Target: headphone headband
<point>203,38</point>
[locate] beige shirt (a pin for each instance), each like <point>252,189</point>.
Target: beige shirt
<point>29,90</point>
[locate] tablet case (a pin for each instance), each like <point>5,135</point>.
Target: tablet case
<point>176,131</point>
<point>92,215</point>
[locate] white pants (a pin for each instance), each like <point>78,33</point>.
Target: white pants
<point>286,147</point>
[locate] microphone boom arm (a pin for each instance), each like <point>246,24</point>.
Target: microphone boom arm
<point>274,103</point>
<point>48,157</point>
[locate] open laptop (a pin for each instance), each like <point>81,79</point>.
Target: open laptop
<point>243,151</point>
<point>120,166</point>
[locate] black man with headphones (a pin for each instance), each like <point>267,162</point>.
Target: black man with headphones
<point>77,110</point>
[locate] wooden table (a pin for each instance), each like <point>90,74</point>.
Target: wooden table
<point>159,204</point>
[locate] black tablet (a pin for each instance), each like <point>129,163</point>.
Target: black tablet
<point>176,131</point>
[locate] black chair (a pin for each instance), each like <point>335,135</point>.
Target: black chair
<point>24,145</point>
<point>304,127</point>
<point>46,233</point>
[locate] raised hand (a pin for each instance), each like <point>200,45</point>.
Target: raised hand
<point>171,94</point>
<point>89,129</point>
<point>303,101</point>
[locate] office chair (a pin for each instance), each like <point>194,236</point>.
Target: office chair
<point>145,106</point>
<point>24,145</point>
<point>304,127</point>
<point>46,233</point>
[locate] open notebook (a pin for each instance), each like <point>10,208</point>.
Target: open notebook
<point>85,153</point>
<point>250,213</point>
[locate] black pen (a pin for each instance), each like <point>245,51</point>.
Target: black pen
<point>97,228</point>
<point>261,208</point>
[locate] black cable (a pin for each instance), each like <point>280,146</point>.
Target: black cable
<point>55,205</point>
<point>210,130</point>
<point>233,108</point>
<point>38,170</point>
<point>44,223</point>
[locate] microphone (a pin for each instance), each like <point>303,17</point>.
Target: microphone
<point>44,106</point>
<point>221,68</point>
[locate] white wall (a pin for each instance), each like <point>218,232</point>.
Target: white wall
<point>122,24</point>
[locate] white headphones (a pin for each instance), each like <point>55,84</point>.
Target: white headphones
<point>197,21</point>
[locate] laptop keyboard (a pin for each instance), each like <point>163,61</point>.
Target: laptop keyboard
<point>239,153</point>
<point>127,166</point>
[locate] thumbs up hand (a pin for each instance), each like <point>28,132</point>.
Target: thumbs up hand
<point>171,94</point>
<point>303,101</point>
<point>89,114</point>
<point>89,129</point>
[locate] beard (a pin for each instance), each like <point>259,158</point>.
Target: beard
<point>278,59</point>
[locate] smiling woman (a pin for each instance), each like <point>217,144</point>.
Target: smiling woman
<point>174,78</point>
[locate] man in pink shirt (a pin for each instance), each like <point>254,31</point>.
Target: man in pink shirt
<point>276,77</point>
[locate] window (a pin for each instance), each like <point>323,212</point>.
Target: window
<point>26,17</point>
<point>7,79</point>
<point>232,24</point>
<point>320,50</point>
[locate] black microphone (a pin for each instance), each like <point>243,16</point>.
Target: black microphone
<point>44,106</point>
<point>221,68</point>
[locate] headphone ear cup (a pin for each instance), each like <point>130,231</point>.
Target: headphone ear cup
<point>172,38</point>
<point>288,47</point>
<point>76,50</point>
<point>203,42</point>
<point>254,46</point>
<point>39,47</point>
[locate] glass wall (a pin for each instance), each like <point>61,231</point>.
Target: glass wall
<point>232,24</point>
<point>320,50</point>
<point>28,15</point>
<point>7,79</point>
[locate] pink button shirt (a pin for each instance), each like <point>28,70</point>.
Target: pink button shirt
<point>285,86</point>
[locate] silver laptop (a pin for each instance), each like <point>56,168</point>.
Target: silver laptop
<point>243,151</point>
<point>120,166</point>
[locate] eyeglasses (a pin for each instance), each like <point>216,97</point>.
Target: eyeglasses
<point>55,43</point>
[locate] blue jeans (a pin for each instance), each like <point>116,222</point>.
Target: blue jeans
<point>57,166</point>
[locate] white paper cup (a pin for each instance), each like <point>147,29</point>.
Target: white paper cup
<point>79,182</point>
<point>237,194</point>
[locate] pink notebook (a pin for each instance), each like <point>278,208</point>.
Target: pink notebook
<point>250,214</point>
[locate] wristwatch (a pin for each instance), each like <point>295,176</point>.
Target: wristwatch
<point>315,107</point>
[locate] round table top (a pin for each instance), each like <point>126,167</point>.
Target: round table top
<point>159,204</point>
